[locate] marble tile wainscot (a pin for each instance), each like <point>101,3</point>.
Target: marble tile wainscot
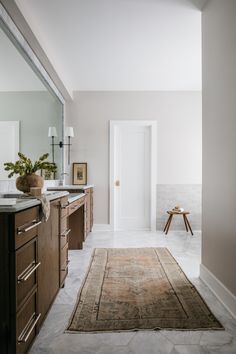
<point>188,196</point>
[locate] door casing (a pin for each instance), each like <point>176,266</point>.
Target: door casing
<point>114,124</point>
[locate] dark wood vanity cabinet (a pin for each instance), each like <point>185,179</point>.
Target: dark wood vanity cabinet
<point>48,253</point>
<point>19,235</point>
<point>77,223</point>
<point>88,205</point>
<point>5,285</point>
<point>33,266</point>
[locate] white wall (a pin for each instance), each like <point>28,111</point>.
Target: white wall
<point>178,116</point>
<point>219,141</point>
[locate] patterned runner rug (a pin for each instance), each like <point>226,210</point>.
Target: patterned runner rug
<point>138,288</point>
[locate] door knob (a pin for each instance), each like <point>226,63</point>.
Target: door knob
<point>117,183</point>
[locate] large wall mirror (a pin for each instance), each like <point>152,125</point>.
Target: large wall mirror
<point>28,107</point>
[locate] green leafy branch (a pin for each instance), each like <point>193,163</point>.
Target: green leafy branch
<point>24,165</point>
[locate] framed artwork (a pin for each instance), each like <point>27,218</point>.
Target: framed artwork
<point>79,173</point>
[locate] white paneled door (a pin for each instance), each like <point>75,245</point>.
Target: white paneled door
<point>131,175</point>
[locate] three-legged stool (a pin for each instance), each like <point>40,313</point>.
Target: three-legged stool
<point>171,214</point>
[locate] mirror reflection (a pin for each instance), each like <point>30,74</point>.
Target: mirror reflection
<point>27,110</point>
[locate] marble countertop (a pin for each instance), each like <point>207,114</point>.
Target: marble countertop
<point>70,186</point>
<point>22,204</point>
<point>75,196</point>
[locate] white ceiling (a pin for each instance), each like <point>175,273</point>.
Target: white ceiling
<point>15,72</point>
<point>120,44</point>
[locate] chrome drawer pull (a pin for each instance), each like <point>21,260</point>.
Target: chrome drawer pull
<point>66,233</point>
<point>35,223</point>
<point>25,334</point>
<point>27,272</point>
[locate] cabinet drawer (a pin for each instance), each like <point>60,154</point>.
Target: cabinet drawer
<point>64,257</point>
<point>76,205</point>
<point>64,238</point>
<point>63,264</point>
<point>64,207</point>
<point>26,270</point>
<point>26,322</point>
<point>63,224</point>
<point>26,226</point>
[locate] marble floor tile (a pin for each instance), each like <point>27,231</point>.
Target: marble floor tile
<point>183,337</point>
<point>116,339</point>
<point>189,349</point>
<point>222,349</point>
<point>186,249</point>
<point>85,344</point>
<point>115,350</point>
<point>216,338</point>
<point>150,343</point>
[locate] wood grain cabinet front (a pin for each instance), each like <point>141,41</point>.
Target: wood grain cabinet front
<point>48,255</point>
<point>24,279</point>
<point>34,264</point>
<point>27,265</point>
<point>89,209</point>
<point>65,232</point>
<point>69,210</point>
<point>76,205</point>
<point>64,239</point>
<point>64,207</point>
<point>64,264</point>
<point>26,226</point>
<point>26,322</point>
<point>19,279</point>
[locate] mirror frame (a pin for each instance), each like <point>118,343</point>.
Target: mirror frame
<point>19,41</point>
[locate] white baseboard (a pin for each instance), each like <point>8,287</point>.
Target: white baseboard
<point>102,227</point>
<point>223,294</point>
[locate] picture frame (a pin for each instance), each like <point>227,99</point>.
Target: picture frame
<point>79,175</point>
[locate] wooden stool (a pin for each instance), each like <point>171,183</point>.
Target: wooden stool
<point>171,214</point>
